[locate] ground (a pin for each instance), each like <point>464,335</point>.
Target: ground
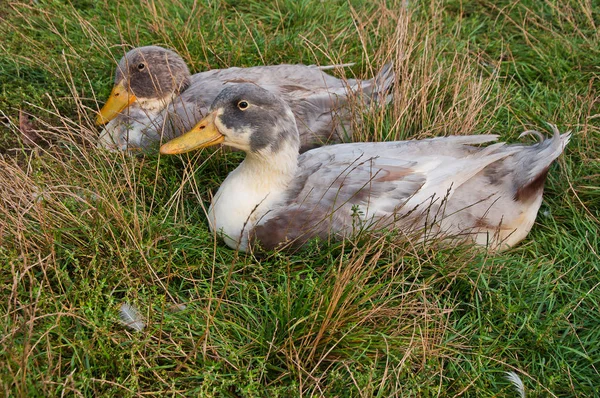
<point>84,231</point>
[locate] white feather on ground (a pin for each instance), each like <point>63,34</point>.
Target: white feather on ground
<point>517,382</point>
<point>177,307</point>
<point>131,317</point>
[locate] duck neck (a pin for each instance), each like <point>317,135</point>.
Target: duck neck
<point>271,171</point>
<point>153,106</point>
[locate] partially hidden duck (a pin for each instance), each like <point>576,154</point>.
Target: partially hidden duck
<point>155,98</point>
<point>449,187</point>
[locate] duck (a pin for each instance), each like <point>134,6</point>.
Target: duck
<point>156,98</point>
<point>444,188</point>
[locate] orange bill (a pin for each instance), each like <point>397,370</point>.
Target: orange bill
<point>204,134</point>
<point>119,99</point>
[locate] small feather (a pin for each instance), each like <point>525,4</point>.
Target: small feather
<point>131,317</point>
<point>176,307</point>
<point>517,382</point>
<point>546,213</point>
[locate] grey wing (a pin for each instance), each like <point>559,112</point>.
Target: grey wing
<point>326,108</point>
<point>322,118</point>
<point>342,188</point>
<point>278,75</point>
<point>335,198</point>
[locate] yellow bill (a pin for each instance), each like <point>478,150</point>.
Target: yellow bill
<point>119,99</point>
<point>204,134</point>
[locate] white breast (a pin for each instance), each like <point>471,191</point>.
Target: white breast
<point>238,205</point>
<point>123,131</point>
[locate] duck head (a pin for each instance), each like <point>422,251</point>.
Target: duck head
<point>149,76</point>
<point>246,117</point>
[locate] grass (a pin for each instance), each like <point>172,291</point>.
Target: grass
<point>84,231</point>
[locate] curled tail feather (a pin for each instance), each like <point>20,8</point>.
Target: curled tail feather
<point>378,89</point>
<point>534,162</point>
<point>383,84</point>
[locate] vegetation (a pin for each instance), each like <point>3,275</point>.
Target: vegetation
<point>83,231</point>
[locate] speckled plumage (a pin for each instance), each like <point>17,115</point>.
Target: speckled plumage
<point>318,100</point>
<point>452,186</point>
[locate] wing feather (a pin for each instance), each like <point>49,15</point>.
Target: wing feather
<point>344,187</point>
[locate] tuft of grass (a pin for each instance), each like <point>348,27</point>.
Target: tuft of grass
<point>84,231</point>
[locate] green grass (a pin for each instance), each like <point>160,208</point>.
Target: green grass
<point>83,231</point>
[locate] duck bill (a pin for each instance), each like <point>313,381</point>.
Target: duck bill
<point>204,134</point>
<point>119,99</point>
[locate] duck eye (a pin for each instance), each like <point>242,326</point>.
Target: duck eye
<point>141,66</point>
<point>243,105</point>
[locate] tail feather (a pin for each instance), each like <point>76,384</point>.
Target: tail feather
<point>535,160</point>
<point>377,89</point>
<point>381,89</point>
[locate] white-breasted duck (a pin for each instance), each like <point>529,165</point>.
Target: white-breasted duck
<point>449,187</point>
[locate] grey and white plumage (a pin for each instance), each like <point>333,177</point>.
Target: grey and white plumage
<point>169,101</point>
<point>450,187</point>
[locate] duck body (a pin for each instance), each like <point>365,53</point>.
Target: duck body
<point>318,100</point>
<point>449,187</point>
<point>442,187</point>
